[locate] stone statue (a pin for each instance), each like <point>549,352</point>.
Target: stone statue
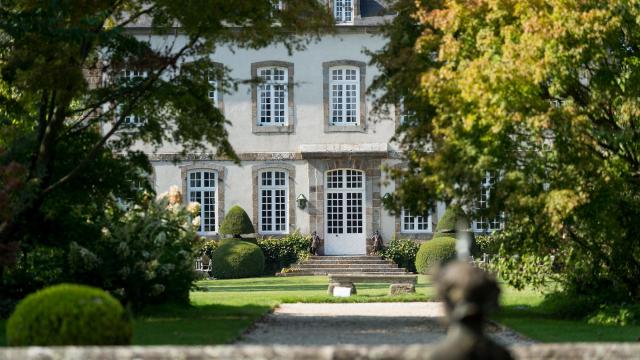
<point>469,295</point>
<point>315,243</point>
<point>377,242</point>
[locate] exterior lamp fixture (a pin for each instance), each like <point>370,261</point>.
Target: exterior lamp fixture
<point>386,197</point>
<point>302,201</point>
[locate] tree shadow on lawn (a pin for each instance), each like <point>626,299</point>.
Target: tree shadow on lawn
<point>537,323</point>
<point>194,325</point>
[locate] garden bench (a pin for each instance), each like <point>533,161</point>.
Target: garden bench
<point>400,284</point>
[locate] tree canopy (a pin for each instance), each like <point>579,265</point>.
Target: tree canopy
<point>78,88</point>
<point>544,93</point>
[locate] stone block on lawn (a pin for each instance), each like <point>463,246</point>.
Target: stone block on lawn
<point>398,289</point>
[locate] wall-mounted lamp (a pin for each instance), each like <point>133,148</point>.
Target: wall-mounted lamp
<point>302,201</point>
<point>386,197</point>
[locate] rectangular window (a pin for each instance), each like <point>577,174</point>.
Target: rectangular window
<point>201,188</point>
<point>273,190</point>
<point>344,95</point>
<point>126,76</point>
<point>404,113</point>
<point>482,223</point>
<point>343,11</point>
<point>273,96</point>
<point>415,223</point>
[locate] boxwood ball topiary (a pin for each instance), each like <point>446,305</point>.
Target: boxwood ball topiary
<point>236,223</point>
<point>69,314</point>
<point>433,252</point>
<point>235,259</point>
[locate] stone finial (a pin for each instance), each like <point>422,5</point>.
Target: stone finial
<point>469,295</point>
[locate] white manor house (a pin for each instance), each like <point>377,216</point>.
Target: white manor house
<point>311,148</point>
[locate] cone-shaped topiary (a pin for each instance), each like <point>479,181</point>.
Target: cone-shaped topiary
<point>236,223</point>
<point>235,259</point>
<point>433,252</point>
<point>69,314</point>
<point>447,223</point>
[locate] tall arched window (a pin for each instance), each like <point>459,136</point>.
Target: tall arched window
<point>201,188</point>
<point>273,204</point>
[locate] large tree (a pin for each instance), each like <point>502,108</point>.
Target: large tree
<point>546,94</point>
<point>78,88</point>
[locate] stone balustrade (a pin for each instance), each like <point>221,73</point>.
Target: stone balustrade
<point>590,351</point>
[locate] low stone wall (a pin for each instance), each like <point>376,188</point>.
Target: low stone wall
<point>591,351</point>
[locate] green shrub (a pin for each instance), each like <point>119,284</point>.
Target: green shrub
<point>486,244</point>
<point>69,314</point>
<point>448,222</point>
<point>402,252</point>
<point>281,253</point>
<point>146,255</point>
<point>619,315</point>
<point>235,259</point>
<point>236,223</point>
<point>433,252</point>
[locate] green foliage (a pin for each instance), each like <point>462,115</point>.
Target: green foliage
<point>145,254</point>
<point>280,253</point>
<point>452,218</point>
<point>402,252</point>
<point>486,244</point>
<point>208,247</point>
<point>235,259</point>
<point>69,314</point>
<point>523,270</point>
<point>620,315</point>
<point>434,252</point>
<point>236,222</point>
<point>545,93</point>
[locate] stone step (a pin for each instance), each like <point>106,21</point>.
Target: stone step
<point>316,273</point>
<point>351,270</point>
<point>348,262</point>
<point>346,257</point>
<point>365,266</point>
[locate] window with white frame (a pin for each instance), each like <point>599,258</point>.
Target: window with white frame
<point>343,11</point>
<point>127,75</point>
<point>483,223</point>
<point>404,114</point>
<point>344,95</point>
<point>201,188</point>
<point>412,223</point>
<point>278,5</point>
<point>273,96</point>
<point>273,191</point>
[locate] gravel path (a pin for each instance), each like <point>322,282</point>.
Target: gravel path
<point>361,324</point>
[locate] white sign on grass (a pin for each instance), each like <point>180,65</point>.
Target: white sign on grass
<point>340,291</point>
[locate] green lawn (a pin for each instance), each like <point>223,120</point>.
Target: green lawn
<point>523,311</point>
<point>221,310</point>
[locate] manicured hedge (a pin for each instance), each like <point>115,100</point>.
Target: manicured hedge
<point>234,259</point>
<point>402,252</point>
<point>69,314</point>
<point>447,223</point>
<point>280,253</point>
<point>433,252</point>
<point>236,223</point>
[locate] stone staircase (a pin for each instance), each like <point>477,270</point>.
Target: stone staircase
<point>323,265</point>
